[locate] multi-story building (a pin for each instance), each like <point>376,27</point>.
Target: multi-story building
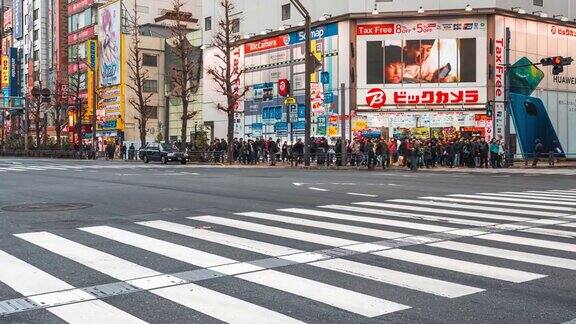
<point>409,68</point>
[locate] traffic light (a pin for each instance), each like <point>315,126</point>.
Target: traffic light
<point>557,62</point>
<point>489,109</point>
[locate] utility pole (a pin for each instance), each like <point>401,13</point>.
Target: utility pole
<point>308,69</point>
<point>508,155</point>
<point>343,122</point>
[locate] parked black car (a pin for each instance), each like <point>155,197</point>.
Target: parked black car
<point>162,152</point>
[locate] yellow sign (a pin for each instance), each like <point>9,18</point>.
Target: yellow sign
<point>359,125</point>
<point>91,49</point>
<point>333,131</point>
<point>5,71</point>
<point>290,101</point>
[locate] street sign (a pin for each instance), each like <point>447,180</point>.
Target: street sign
<point>283,87</point>
<point>290,101</point>
<point>328,97</point>
<point>321,125</point>
<point>325,77</point>
<point>281,129</point>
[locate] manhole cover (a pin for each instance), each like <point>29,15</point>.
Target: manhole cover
<point>45,207</point>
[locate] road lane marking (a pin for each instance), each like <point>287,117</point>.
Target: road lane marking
<point>47,290</point>
<point>212,303</point>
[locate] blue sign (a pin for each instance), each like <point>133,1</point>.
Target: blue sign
<point>6,95</point>
<point>17,29</point>
<point>14,86</point>
<point>272,113</point>
<point>325,77</point>
<point>299,125</point>
<point>317,33</point>
<point>281,129</point>
<point>328,97</point>
<point>257,129</point>
<point>301,112</point>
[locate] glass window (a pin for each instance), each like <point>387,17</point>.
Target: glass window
<point>286,11</point>
<point>374,62</point>
<point>149,60</point>
<point>236,25</point>
<point>150,86</point>
<point>208,23</point>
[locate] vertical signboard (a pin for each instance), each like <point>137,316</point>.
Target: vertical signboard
<point>91,47</point>
<point>499,71</point>
<point>109,18</point>
<point>18,29</point>
<point>14,89</point>
<point>5,71</point>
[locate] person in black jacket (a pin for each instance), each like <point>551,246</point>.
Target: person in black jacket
<point>298,151</point>
<point>538,150</point>
<point>484,149</point>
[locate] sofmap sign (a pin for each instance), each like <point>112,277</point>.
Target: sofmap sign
<point>290,39</point>
<point>17,12</point>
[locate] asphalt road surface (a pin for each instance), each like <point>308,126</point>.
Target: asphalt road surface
<point>114,242</point>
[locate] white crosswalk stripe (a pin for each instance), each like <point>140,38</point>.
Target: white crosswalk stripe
<point>444,211</point>
<point>559,203</point>
<point>29,280</point>
<point>532,228</point>
<point>429,285</point>
<point>334,296</point>
<point>476,207</point>
<point>480,200</point>
<point>212,303</point>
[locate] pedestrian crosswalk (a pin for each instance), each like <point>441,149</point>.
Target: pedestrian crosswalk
<point>298,263</point>
<point>79,167</point>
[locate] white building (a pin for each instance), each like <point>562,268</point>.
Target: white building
<point>418,68</point>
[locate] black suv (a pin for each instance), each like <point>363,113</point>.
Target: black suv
<point>162,152</point>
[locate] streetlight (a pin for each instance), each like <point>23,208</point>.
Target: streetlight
<point>308,62</point>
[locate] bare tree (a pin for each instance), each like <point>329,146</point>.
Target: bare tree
<point>225,72</point>
<point>75,88</point>
<point>184,75</point>
<point>138,76</point>
<point>37,116</point>
<point>57,113</point>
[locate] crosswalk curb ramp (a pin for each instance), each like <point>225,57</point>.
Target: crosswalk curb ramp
<point>394,245</point>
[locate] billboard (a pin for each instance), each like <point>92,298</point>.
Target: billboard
<point>14,88</point>
<point>427,63</point>
<point>5,71</point>
<point>18,28</point>
<point>109,18</point>
<point>530,42</point>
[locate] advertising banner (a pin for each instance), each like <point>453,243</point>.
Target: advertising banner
<point>7,19</point>
<point>14,88</point>
<point>542,105</point>
<point>17,16</point>
<point>109,35</point>
<point>427,63</point>
<point>5,71</point>
<point>290,39</point>
<point>109,111</point>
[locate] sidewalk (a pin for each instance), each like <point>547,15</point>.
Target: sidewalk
<point>519,165</point>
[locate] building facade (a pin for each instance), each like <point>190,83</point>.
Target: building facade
<point>427,73</point>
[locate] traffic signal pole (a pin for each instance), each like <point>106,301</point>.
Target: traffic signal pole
<point>307,83</point>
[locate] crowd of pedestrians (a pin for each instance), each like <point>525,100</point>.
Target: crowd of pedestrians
<point>370,153</point>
